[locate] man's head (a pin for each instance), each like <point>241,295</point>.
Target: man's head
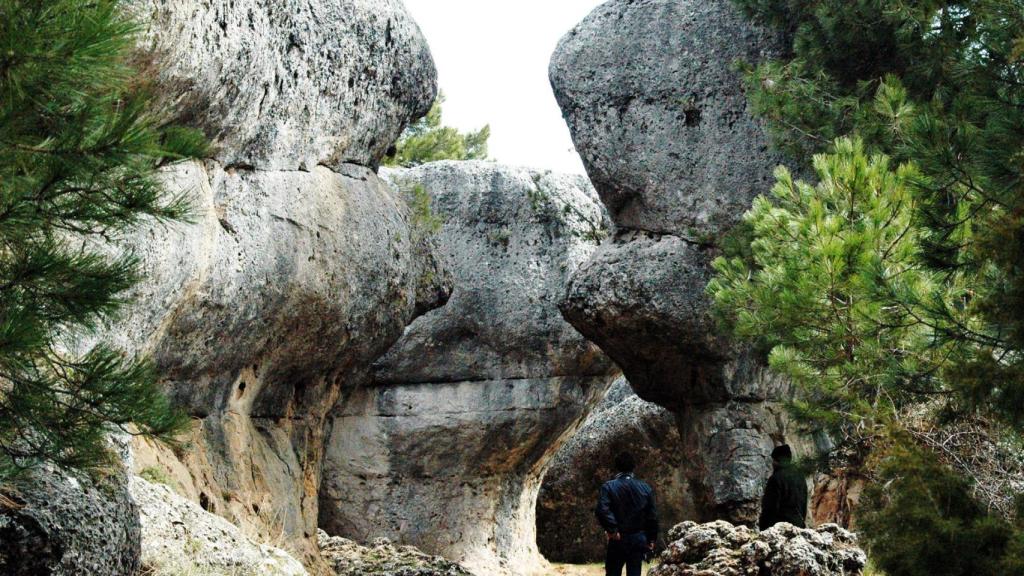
<point>782,454</point>
<point>624,462</point>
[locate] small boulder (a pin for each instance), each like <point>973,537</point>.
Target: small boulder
<point>59,523</point>
<point>382,558</point>
<point>721,549</point>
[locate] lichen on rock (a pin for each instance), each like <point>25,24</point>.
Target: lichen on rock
<point>62,523</point>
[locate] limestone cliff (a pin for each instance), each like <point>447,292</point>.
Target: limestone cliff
<point>447,447</point>
<point>300,266</point>
<point>658,114</point>
<point>567,530</point>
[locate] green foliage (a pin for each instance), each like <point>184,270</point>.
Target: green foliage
<point>157,475</point>
<point>425,222</point>
<point>428,140</point>
<point>581,225</point>
<point>80,143</point>
<point>939,86</point>
<point>832,287</point>
<point>919,519</point>
<point>894,281</point>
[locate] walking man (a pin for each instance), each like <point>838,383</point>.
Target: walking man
<point>625,509</point>
<point>785,496</point>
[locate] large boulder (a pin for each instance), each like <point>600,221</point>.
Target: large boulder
<point>59,523</point>
<point>657,109</point>
<point>567,530</point>
<point>284,85</point>
<point>722,549</point>
<point>445,451</point>
<point>658,112</point>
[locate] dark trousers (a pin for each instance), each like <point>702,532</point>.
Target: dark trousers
<point>628,552</point>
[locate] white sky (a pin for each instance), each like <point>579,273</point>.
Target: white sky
<point>492,63</point>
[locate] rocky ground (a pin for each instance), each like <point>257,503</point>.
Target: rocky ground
<point>584,569</point>
<point>382,558</point>
<point>721,549</point>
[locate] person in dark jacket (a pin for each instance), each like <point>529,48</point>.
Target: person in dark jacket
<point>626,511</point>
<point>785,496</point>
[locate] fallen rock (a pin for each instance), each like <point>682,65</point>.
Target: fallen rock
<point>59,523</point>
<point>567,530</point>
<point>721,549</point>
<point>180,537</point>
<point>446,449</point>
<point>284,85</point>
<point>382,558</point>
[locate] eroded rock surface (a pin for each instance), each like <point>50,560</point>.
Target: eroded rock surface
<point>659,116</point>
<point>658,113</point>
<point>300,266</point>
<point>66,524</point>
<point>285,85</point>
<point>382,558</point>
<point>262,312</point>
<point>180,537</point>
<point>722,549</point>
<point>567,530</point>
<point>446,449</point>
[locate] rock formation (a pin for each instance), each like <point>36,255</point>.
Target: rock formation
<point>285,85</point>
<point>567,530</point>
<point>446,449</point>
<point>182,538</point>
<point>61,523</point>
<point>658,114</point>
<point>382,558</point>
<point>722,549</point>
<point>300,266</point>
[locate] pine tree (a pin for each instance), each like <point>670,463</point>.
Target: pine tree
<point>941,85</point>
<point>832,287</point>
<point>81,140</point>
<point>429,140</point>
<point>892,284</point>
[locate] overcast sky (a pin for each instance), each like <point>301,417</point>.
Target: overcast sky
<point>492,63</point>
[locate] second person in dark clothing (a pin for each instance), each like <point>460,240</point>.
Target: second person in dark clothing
<point>626,511</point>
<point>785,496</point>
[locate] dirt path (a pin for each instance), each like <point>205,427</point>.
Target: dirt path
<point>584,569</point>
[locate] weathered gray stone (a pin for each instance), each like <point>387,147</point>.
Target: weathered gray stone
<point>446,450</point>
<point>262,312</point>
<point>641,298</point>
<point>727,447</point>
<point>382,558</point>
<point>281,85</point>
<point>57,523</point>
<point>179,537</point>
<point>567,530</point>
<point>722,549</point>
<point>659,115</point>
